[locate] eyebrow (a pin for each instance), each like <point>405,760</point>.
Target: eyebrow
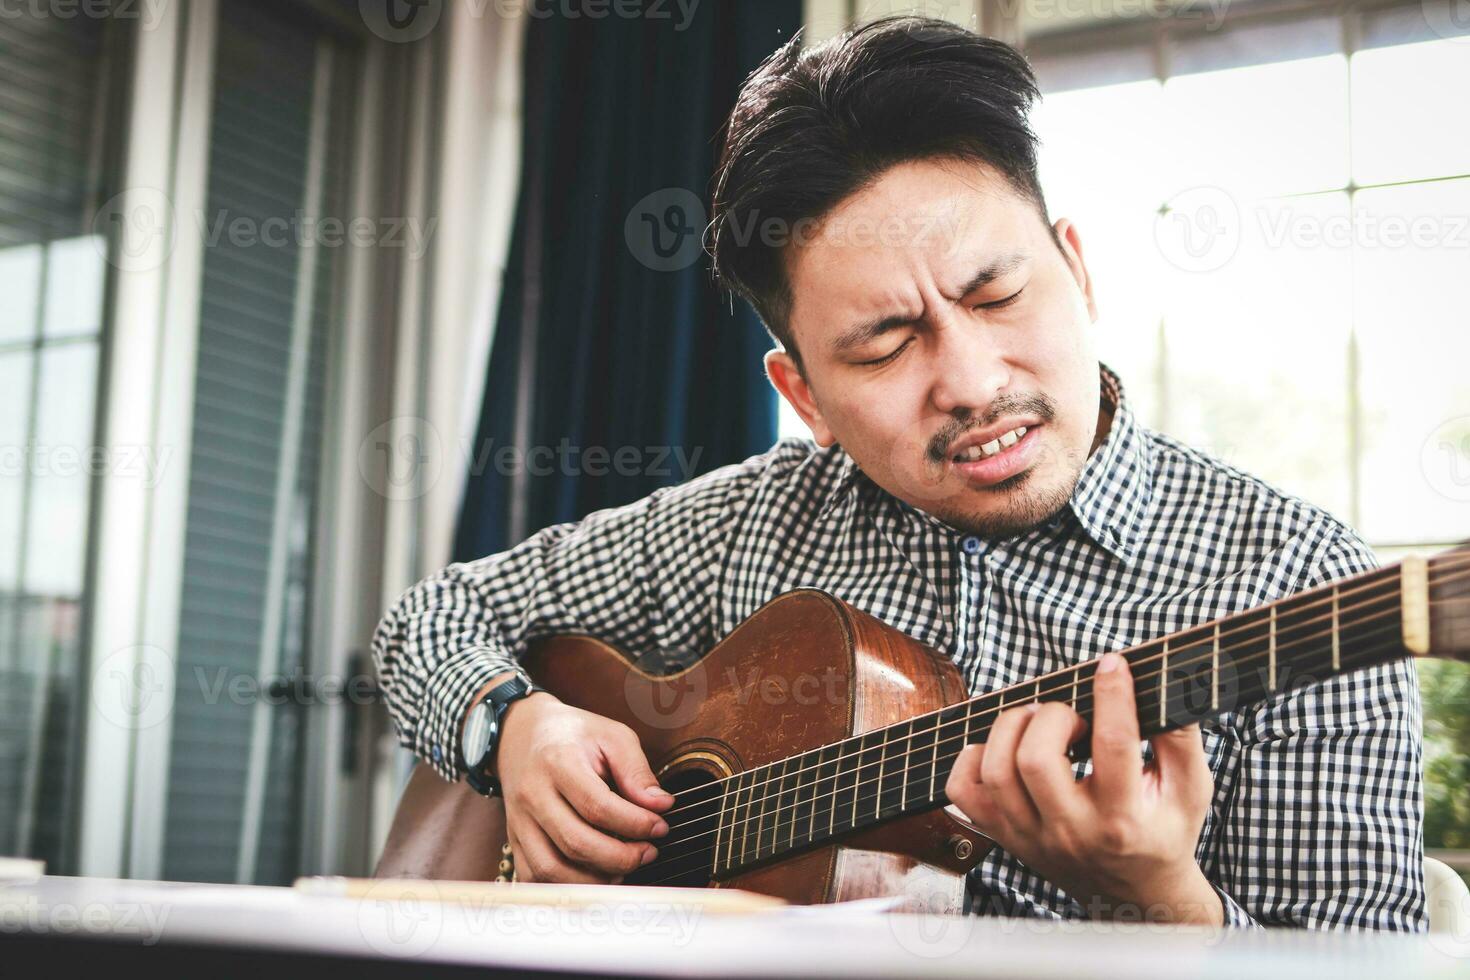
<point>861,333</point>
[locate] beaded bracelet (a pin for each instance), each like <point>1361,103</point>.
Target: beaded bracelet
<point>507,864</point>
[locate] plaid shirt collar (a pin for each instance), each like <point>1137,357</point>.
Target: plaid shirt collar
<point>1110,501</point>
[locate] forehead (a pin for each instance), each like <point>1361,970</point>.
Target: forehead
<point>920,222</point>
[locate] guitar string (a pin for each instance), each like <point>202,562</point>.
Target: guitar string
<point>1380,582</point>
<point>703,853</point>
<point>859,784</point>
<point>1388,583</point>
<point>750,803</point>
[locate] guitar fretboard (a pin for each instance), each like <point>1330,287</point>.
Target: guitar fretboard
<point>773,810</point>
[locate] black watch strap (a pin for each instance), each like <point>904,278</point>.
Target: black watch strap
<point>496,701</point>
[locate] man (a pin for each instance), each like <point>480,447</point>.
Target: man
<point>977,480</point>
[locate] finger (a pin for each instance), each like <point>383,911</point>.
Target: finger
<point>998,770</point>
<point>1179,758</point>
<point>1041,761</point>
<point>1117,766</point>
<point>587,846</point>
<point>631,773</point>
<point>605,809</point>
<point>517,873</point>
<point>963,788</point>
<point>537,859</point>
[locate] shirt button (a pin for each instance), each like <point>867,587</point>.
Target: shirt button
<point>971,545</point>
<point>438,753</point>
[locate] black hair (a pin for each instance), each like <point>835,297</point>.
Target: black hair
<point>811,128</point>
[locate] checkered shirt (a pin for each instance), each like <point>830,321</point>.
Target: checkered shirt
<point>1317,816</point>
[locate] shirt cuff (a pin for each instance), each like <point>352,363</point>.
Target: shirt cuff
<point>1236,917</point>
<point>447,697</point>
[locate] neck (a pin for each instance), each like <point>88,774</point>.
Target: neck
<point>1223,665</point>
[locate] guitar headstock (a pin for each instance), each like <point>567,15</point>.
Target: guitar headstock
<point>1449,603</point>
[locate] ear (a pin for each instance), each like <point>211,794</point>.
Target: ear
<point>787,379</point>
<point>1072,252</point>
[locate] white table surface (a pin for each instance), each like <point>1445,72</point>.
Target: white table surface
<point>621,938</point>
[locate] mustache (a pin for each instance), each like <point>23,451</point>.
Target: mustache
<point>1037,404</point>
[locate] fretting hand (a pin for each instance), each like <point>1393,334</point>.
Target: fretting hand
<point>1121,841</point>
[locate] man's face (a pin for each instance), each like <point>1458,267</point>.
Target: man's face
<point>935,317</point>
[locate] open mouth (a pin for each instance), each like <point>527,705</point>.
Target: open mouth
<point>992,448</point>
<point>999,459</point>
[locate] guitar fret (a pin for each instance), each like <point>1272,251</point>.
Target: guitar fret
<point>782,807</point>
<point>786,801</point>
<point>837,788</point>
<point>1164,687</point>
<point>1215,672</point>
<point>878,789</point>
<point>745,825</point>
<point>934,760</point>
<point>764,781</point>
<point>812,800</point>
<point>903,772</point>
<point>1336,639</point>
<point>894,766</point>
<point>796,780</point>
<point>751,814</point>
<point>1272,660</point>
<point>811,818</point>
<point>799,778</point>
<point>840,786</point>
<point>775,808</point>
<point>1076,672</point>
<point>720,828</point>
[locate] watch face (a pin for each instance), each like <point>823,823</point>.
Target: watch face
<point>477,731</point>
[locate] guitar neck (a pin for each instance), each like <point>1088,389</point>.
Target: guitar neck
<point>1219,666</point>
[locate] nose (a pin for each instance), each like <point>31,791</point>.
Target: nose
<point>970,366</point>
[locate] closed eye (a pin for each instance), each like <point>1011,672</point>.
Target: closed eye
<point>1002,303</point>
<point>888,357</point>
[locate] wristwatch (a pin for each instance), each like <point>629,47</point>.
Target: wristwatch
<point>482,732</point>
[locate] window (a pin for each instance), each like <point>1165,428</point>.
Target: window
<point>1279,229</point>
<point>234,781</point>
<point>53,145</point>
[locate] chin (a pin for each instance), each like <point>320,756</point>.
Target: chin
<point>1022,508</point>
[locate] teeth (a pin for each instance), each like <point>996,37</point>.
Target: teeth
<point>992,447</point>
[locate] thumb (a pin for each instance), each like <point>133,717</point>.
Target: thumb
<point>631,773</point>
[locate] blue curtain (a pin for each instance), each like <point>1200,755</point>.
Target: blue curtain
<point>617,367</point>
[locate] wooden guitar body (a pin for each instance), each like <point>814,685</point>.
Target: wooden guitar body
<point>804,671</point>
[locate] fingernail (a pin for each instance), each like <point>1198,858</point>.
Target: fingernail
<point>649,855</point>
<point>1032,707</point>
<point>660,828</point>
<point>657,791</point>
<point>1109,663</point>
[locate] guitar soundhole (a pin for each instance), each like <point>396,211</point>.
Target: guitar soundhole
<point>686,854</point>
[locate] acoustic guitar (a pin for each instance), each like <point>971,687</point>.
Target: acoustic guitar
<point>808,751</point>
